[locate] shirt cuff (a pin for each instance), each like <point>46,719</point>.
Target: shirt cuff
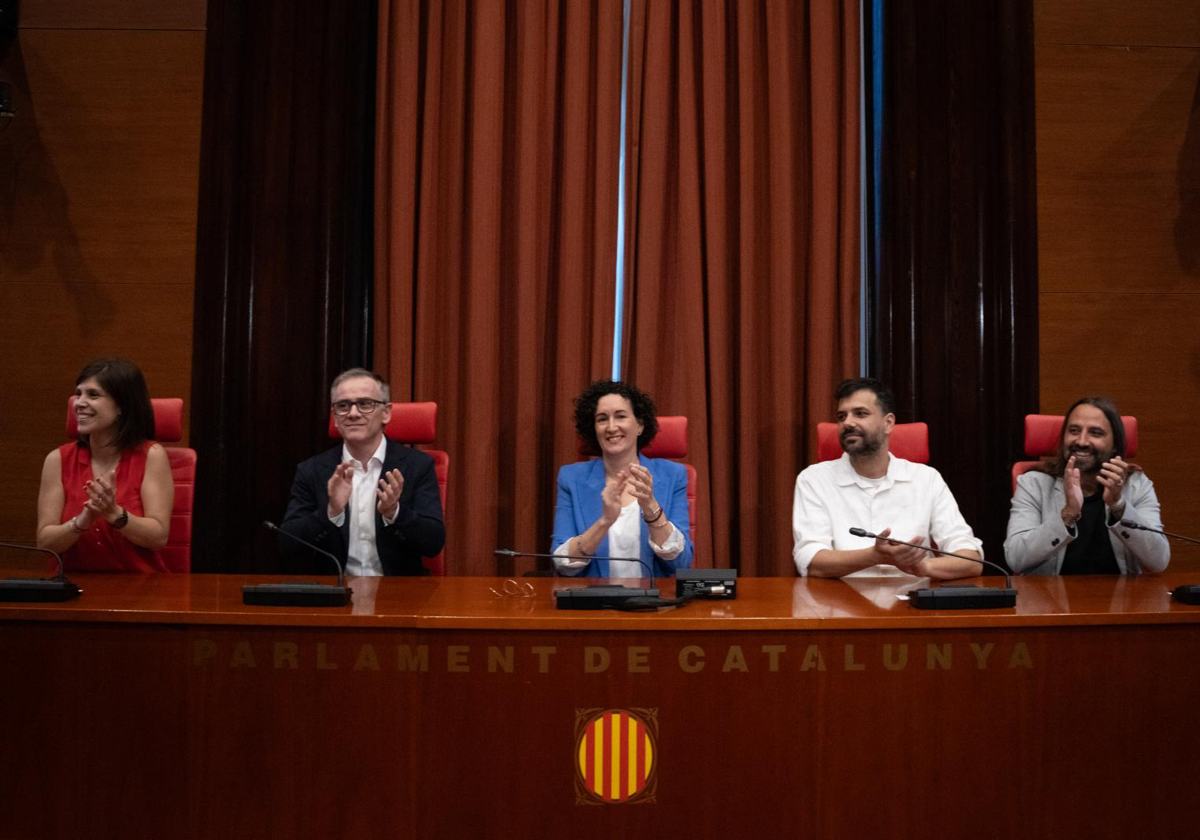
<point>568,567</point>
<point>671,547</point>
<point>338,520</point>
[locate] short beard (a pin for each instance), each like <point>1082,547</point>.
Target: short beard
<point>868,445</point>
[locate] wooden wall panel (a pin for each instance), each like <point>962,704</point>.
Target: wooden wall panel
<point>97,224</point>
<point>113,14</point>
<point>1119,22</point>
<point>1118,104</point>
<point>1119,167</point>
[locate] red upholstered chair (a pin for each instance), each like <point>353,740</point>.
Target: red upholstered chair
<point>1042,440</point>
<point>168,428</point>
<point>411,423</point>
<point>671,442</point>
<point>909,441</point>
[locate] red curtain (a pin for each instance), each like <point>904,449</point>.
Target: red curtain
<point>744,204</point>
<point>496,216</point>
<point>498,143</point>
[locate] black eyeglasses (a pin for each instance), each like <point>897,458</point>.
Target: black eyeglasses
<point>342,407</point>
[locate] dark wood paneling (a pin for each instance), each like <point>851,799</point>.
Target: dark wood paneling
<point>1173,23</point>
<point>780,709</point>
<point>1119,165</point>
<point>1119,227</point>
<point>97,228</point>
<point>283,264</point>
<point>953,325</point>
<point>113,14</point>
<point>1151,368</point>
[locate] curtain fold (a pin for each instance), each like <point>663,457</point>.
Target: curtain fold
<point>744,241</point>
<point>496,203</point>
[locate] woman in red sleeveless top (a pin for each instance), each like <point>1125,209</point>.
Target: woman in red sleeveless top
<point>105,501</point>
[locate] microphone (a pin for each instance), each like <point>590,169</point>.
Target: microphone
<point>38,590</point>
<point>955,597</point>
<point>508,552</point>
<point>298,593</point>
<point>1129,523</point>
<point>1186,594</point>
<point>601,596</point>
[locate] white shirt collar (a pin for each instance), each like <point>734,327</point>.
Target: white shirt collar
<point>898,470</point>
<point>378,455</point>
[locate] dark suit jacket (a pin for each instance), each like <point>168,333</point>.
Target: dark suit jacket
<point>417,532</point>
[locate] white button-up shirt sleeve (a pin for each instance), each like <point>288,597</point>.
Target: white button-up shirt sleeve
<point>812,521</point>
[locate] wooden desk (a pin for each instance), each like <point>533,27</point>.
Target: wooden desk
<point>161,707</point>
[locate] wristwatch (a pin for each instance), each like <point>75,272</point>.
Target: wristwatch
<point>122,520</point>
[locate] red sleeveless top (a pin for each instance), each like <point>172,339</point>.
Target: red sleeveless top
<point>102,548</point>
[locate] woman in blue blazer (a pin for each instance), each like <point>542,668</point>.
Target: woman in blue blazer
<point>620,504</point>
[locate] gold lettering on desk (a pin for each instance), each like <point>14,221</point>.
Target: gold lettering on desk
<point>203,651</point>
<point>735,660</point>
<point>409,660</point>
<point>813,659</point>
<point>243,656</point>
<point>456,659</point>
<point>286,655</point>
<point>937,657</point>
<point>502,659</point>
<point>982,652</point>
<point>639,659</point>
<point>367,660</point>
<point>895,664</point>
<point>595,660</point>
<point>691,659</point>
<point>543,654</point>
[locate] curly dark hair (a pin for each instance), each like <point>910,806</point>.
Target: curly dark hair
<point>123,381</point>
<point>585,412</point>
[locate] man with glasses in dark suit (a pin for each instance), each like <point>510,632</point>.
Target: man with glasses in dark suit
<point>372,502</point>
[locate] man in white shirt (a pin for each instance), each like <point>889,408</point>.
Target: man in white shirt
<point>372,502</point>
<point>869,488</point>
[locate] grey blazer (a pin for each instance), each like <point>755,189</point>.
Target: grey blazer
<point>1037,539</point>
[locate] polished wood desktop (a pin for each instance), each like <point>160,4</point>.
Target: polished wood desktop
<point>160,706</point>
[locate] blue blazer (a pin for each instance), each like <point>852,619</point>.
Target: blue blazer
<point>579,487</point>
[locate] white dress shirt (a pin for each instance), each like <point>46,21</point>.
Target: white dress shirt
<point>362,558</point>
<point>624,540</point>
<point>912,499</point>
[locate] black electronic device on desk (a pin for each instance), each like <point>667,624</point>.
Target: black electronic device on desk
<point>38,590</point>
<point>712,584</point>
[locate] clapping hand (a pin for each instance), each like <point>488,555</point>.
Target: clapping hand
<point>341,483</point>
<point>102,497</point>
<point>387,494</point>
<point>903,557</point>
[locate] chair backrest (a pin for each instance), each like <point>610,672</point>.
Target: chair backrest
<point>909,441</point>
<point>413,423</point>
<point>671,442</point>
<point>1042,439</point>
<point>168,428</point>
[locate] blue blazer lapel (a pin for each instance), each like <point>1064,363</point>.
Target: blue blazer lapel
<point>590,506</point>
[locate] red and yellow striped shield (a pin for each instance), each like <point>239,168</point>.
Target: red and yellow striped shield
<point>615,755</point>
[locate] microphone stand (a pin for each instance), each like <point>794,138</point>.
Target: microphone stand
<point>959,597</point>
<point>1188,593</point>
<point>38,590</point>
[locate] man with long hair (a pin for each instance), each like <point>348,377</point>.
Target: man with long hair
<point>1067,513</point>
